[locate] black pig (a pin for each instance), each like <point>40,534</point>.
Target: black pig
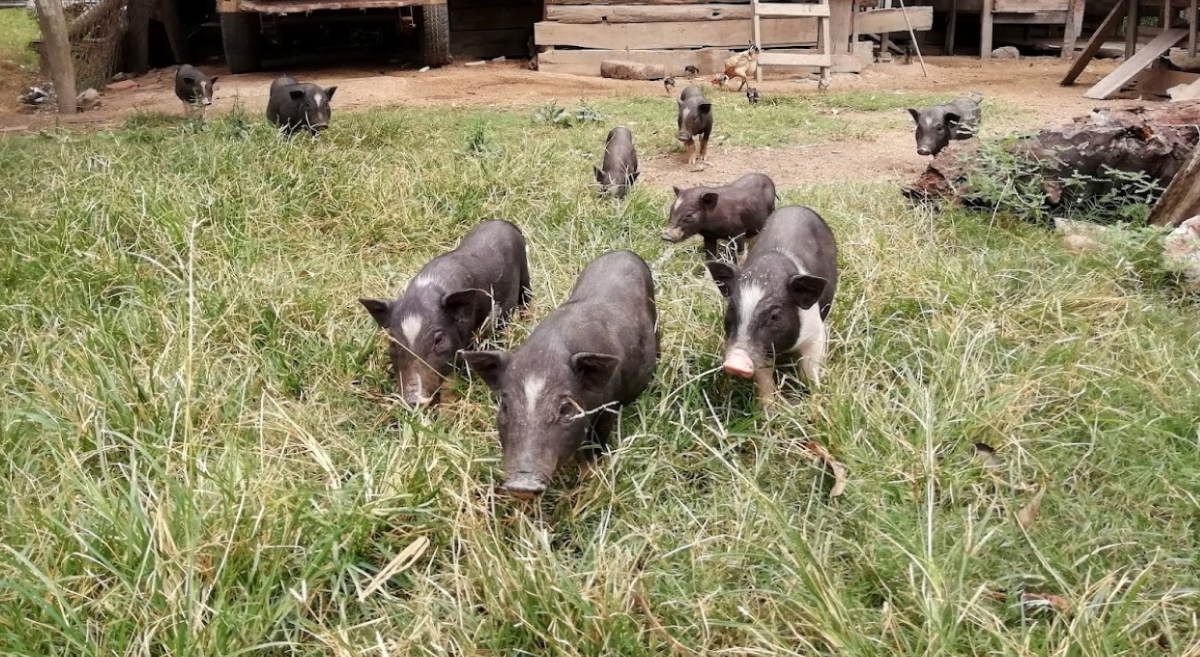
<point>294,106</point>
<point>193,86</point>
<point>735,211</point>
<point>447,302</point>
<point>595,352</point>
<point>695,120</point>
<point>780,299</point>
<point>620,166</point>
<point>939,124</point>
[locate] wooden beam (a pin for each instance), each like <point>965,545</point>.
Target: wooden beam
<point>710,61</point>
<point>1028,6</point>
<point>892,20</point>
<point>1134,65</point>
<point>1106,29</point>
<point>985,31</point>
<point>1192,15</point>
<point>1040,18</point>
<point>656,2</point>
<point>1181,199</point>
<point>269,7</point>
<point>780,10</point>
<point>647,14</point>
<point>1071,28</point>
<point>1156,82</point>
<point>839,25</point>
<point>772,58</point>
<point>647,36</point>
<point>757,33</point>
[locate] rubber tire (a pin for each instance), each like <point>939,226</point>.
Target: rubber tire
<point>435,35</point>
<point>241,37</point>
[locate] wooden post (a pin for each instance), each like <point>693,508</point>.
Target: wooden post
<point>1181,200</point>
<point>985,36</point>
<point>1166,15</point>
<point>885,39</point>
<point>137,36</point>
<point>168,13</point>
<point>1131,29</point>
<point>951,25</point>
<point>1071,29</point>
<point>757,36</point>
<point>1192,29</point>
<point>58,52</point>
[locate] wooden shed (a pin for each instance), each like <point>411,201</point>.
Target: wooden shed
<point>577,35</point>
<point>487,28</point>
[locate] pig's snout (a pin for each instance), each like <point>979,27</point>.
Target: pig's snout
<point>684,136</point>
<point>671,235</point>
<point>739,363</point>
<point>921,150</point>
<point>524,486</point>
<point>415,399</point>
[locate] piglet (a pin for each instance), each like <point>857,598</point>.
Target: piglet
<point>193,86</point>
<point>448,302</point>
<point>780,299</point>
<point>620,166</point>
<point>736,211</point>
<point>294,106</point>
<point>695,120</point>
<point>938,125</point>
<point>591,355</point>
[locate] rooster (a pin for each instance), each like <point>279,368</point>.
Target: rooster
<point>742,65</point>
<point>669,84</point>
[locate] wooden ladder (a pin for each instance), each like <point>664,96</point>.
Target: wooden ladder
<point>819,57</point>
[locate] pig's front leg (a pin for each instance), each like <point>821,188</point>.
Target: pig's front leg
<point>691,151</point>
<point>812,344</point>
<point>710,248</point>
<point>704,147</point>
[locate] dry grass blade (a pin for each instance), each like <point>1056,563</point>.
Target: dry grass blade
<point>656,627</point>
<point>406,558</point>
<point>839,470</point>
<point>1028,514</point>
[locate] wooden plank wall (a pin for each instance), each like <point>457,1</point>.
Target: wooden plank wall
<point>578,34</point>
<point>482,29</point>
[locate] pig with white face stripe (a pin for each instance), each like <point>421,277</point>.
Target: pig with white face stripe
<point>448,302</point>
<point>590,356</point>
<point>294,106</point>
<point>780,299</point>
<point>193,87</point>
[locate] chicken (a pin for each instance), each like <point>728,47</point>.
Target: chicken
<point>669,84</point>
<point>743,65</point>
<point>752,95</point>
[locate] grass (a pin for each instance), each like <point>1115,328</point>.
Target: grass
<point>201,456</point>
<point>18,27</point>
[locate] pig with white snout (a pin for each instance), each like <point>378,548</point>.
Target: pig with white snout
<point>780,298</point>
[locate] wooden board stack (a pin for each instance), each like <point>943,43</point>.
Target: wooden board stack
<point>578,35</point>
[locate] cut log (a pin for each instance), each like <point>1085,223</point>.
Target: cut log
<point>646,14</point>
<point>1157,142</point>
<point>626,70</point>
<point>657,2</point>
<point>647,36</point>
<point>1181,200</point>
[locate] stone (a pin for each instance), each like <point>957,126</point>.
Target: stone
<point>123,85</point>
<point>1006,52</point>
<point>88,100</point>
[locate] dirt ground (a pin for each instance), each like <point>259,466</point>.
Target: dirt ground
<point>1031,84</point>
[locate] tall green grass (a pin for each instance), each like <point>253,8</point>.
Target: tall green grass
<point>201,455</point>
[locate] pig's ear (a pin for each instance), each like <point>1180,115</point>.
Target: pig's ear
<point>952,119</point>
<point>213,79</point>
<point>461,305</point>
<point>709,200</point>
<point>599,174</point>
<point>677,191</point>
<point>488,365</point>
<point>187,79</point>
<point>805,290</point>
<point>915,114</point>
<point>380,309</point>
<point>705,108</point>
<point>594,370</point>
<point>724,275</point>
<point>296,94</point>
<point>330,91</point>
<point>634,176</point>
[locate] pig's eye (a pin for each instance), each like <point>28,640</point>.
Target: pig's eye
<point>567,410</point>
<point>440,341</point>
<point>775,315</point>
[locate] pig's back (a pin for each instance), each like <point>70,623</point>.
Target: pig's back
<point>490,257</point>
<point>801,233</point>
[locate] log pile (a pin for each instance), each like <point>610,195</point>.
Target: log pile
<point>578,35</point>
<point>1155,141</point>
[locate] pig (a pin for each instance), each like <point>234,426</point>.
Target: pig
<point>448,302</point>
<point>939,124</point>
<point>695,120</point>
<point>294,106</point>
<point>592,354</point>
<point>619,170</point>
<point>736,211</point>
<point>193,86</point>
<point>779,301</point>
